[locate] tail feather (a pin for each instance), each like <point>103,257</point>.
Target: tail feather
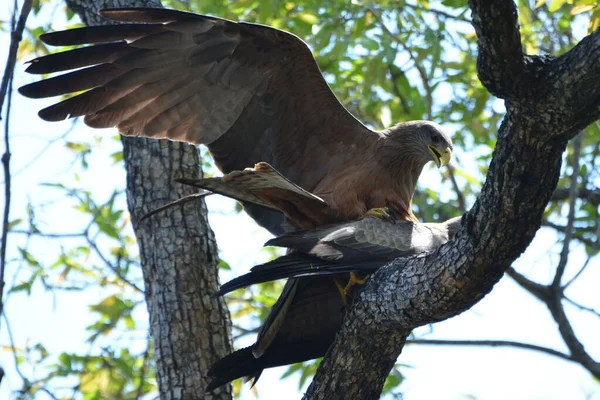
<point>236,365</point>
<point>242,363</point>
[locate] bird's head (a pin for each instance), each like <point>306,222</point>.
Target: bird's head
<point>421,141</point>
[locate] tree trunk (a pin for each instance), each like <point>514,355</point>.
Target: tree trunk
<point>178,254</point>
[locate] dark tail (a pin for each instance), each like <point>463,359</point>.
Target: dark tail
<point>236,365</point>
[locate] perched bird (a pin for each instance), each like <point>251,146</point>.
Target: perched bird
<point>303,323</point>
<point>250,92</point>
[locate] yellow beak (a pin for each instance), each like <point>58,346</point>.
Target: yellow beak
<point>440,158</point>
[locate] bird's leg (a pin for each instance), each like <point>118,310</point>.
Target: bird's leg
<point>383,213</point>
<point>354,280</point>
<point>342,290</point>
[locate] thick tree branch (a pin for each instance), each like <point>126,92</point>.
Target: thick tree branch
<point>573,80</point>
<point>353,362</point>
<point>521,178</point>
<point>500,63</point>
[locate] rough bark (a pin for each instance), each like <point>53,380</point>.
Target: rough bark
<point>562,96</point>
<point>178,253</point>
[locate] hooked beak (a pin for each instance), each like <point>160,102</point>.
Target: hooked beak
<point>442,158</point>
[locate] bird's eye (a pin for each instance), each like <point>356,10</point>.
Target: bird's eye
<point>435,138</point>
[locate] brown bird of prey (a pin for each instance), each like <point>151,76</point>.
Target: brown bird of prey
<point>305,319</point>
<point>249,92</point>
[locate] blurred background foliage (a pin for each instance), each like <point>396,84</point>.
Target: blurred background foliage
<point>387,61</point>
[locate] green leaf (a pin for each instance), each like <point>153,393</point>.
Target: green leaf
<point>224,265</point>
<point>307,17</point>
<point>13,223</point>
<point>555,5</point>
<point>29,258</point>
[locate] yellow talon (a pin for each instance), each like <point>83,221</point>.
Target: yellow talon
<point>380,213</point>
<point>342,290</point>
<point>354,280</point>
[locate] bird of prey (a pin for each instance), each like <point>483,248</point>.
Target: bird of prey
<point>249,92</point>
<point>303,323</point>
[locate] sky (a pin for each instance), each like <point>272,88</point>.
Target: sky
<point>507,313</point>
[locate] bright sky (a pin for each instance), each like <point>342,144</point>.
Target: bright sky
<point>508,313</point>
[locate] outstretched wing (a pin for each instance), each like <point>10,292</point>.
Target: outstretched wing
<point>250,92</point>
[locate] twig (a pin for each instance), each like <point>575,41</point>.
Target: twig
<point>574,278</point>
<point>395,75</point>
<point>15,38</point>
<point>51,235</point>
<point>459,196</point>
<point>553,299</point>
<point>47,146</point>
<point>181,201</point>
<point>582,307</point>
<point>588,242</point>
<point>459,17</point>
<point>112,267</point>
<point>569,337</point>
<point>11,340</point>
<point>49,393</point>
<point>564,254</point>
<point>492,343</point>
<point>419,67</point>
<point>590,195</point>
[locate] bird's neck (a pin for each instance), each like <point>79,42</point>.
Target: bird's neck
<point>404,168</point>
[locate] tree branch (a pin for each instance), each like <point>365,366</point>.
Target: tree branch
<point>552,297</point>
<point>500,63</point>
<point>492,343</point>
<point>582,307</point>
<point>521,178</point>
<point>592,196</point>
<point>542,292</point>
<point>564,254</point>
<point>15,38</point>
<point>573,78</point>
<point>588,242</point>
<point>353,363</point>
<point>420,69</point>
<point>462,205</point>
<point>576,348</point>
